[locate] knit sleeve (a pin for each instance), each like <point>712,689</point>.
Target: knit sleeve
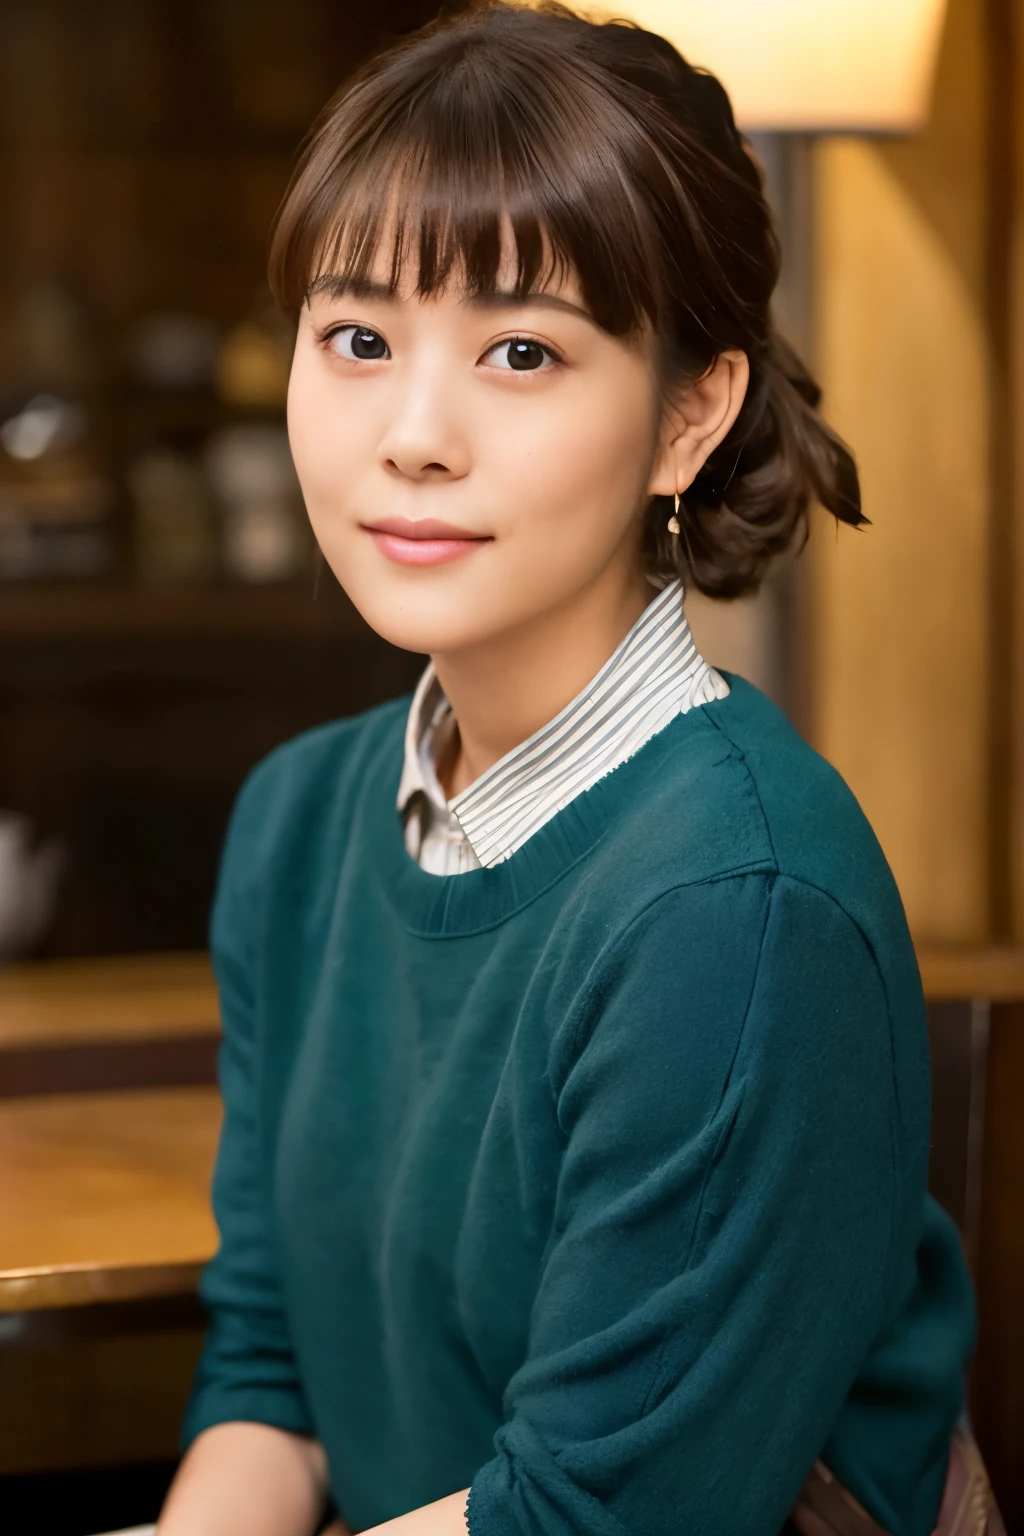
<point>246,1370</point>
<point>723,1243</point>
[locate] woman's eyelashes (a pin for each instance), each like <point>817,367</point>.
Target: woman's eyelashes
<point>515,354</point>
<point>356,343</point>
<point>521,354</point>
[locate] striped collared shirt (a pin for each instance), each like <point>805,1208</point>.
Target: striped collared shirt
<point>655,674</point>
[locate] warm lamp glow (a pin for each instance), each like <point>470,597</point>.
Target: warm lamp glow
<point>809,65</point>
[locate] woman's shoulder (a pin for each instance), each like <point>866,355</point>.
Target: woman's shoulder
<point>311,781</point>
<point>743,870</point>
<point>337,751</point>
<point>739,791</point>
<point>813,828</point>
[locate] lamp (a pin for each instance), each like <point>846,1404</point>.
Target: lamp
<point>809,65</point>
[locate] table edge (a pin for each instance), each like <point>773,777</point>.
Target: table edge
<point>76,1285</point>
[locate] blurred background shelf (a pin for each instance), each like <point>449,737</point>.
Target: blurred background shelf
<point>144,148</point>
<point>41,614</point>
<point>130,720</point>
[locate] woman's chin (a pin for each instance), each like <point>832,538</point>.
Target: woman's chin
<point>430,628</point>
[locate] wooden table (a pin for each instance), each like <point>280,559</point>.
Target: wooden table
<point>133,1022</point>
<point>104,1226</point>
<point>105,1223</point>
<point>105,1197</point>
<point>109,1116</point>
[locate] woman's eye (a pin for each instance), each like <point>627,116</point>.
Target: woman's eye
<point>357,343</point>
<point>521,355</point>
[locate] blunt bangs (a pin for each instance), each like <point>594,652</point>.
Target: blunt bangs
<point>427,162</point>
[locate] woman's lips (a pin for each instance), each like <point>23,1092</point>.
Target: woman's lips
<point>423,542</point>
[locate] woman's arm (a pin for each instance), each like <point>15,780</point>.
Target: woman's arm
<point>725,1226</point>
<point>727,1220</point>
<point>247,1425</point>
<point>250,1480</point>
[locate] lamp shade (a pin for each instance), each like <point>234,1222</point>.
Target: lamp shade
<point>810,65</point>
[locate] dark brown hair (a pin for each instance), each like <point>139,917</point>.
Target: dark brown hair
<point>614,159</point>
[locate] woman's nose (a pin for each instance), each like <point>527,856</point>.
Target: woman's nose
<point>426,435</point>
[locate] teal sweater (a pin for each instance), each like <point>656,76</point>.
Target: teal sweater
<point>596,1180</point>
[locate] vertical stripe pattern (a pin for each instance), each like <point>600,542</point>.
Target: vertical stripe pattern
<point>654,674</point>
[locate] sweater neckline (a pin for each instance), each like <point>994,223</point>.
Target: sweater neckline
<point>654,673</point>
<point>460,905</point>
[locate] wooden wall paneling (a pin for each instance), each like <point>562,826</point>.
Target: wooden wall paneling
<point>27,1071</point>
<point>1015,327</point>
<point>131,752</point>
<point>899,626</point>
<point>95,1402</point>
<point>1001,151</point>
<point>763,638</point>
<point>998,1396</point>
<point>959,1035</point>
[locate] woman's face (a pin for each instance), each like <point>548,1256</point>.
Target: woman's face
<point>469,466</point>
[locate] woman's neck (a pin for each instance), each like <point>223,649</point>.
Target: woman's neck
<point>503,691</point>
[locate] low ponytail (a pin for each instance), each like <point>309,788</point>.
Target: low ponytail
<point>750,502</point>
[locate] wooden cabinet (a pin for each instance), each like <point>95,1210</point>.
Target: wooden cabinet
<point>144,146</point>
<point>131,717</point>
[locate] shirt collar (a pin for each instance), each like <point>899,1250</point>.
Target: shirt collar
<point>429,712</point>
<point>653,674</point>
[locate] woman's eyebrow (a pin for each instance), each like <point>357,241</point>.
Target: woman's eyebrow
<point>338,286</point>
<point>335,285</point>
<point>500,298</point>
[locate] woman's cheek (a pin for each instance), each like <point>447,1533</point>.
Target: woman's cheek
<point>317,424</point>
<point>546,456</point>
<point>322,464</point>
<point>581,467</point>
<point>302,437</point>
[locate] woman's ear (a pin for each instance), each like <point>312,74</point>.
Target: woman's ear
<point>696,420</point>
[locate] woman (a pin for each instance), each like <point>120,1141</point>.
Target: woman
<point>575,1066</point>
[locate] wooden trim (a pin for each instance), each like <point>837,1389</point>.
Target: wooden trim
<point>130,998</point>
<point>37,614</point>
<point>994,974</point>
<point>81,1026</point>
<point>56,1327</point>
<point>81,1067</point>
<point>79,1285</point>
<point>1015,322</point>
<point>1000,158</point>
<point>958,1032</point>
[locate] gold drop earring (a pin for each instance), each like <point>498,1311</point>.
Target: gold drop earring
<point>673,522</point>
